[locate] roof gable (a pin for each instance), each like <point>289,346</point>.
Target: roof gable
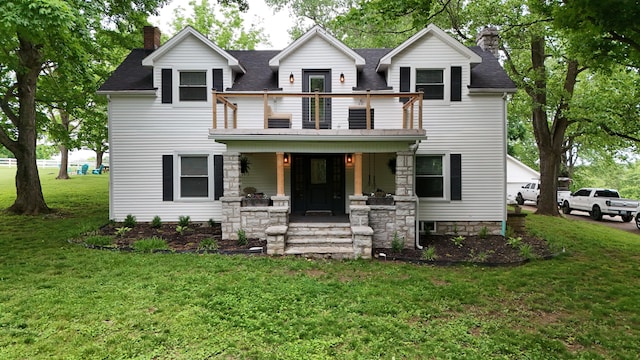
<point>316,31</point>
<point>433,30</point>
<point>183,34</point>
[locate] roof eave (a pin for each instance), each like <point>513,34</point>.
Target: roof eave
<point>492,90</point>
<point>149,92</point>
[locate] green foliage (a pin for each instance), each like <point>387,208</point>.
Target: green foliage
<point>429,254</point>
<point>526,251</point>
<point>227,29</point>
<point>458,240</point>
<point>150,244</point>
<point>130,221</point>
<point>212,223</point>
<point>514,242</point>
<point>242,237</point>
<point>98,240</point>
<point>122,231</point>
<point>46,151</point>
<point>156,222</point>
<point>184,221</point>
<point>397,244</point>
<point>481,256</point>
<point>208,244</point>
<point>483,233</point>
<point>181,229</point>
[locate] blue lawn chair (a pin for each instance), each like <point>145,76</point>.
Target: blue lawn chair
<point>98,171</point>
<point>83,170</point>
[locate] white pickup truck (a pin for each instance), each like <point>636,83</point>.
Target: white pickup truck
<point>598,202</point>
<point>531,191</point>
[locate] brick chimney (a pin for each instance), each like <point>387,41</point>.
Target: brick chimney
<point>488,40</point>
<point>151,37</point>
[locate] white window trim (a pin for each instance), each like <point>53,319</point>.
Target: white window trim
<point>446,173</point>
<point>177,176</point>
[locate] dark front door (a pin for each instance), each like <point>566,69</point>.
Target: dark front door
<point>318,183</point>
<point>316,80</point>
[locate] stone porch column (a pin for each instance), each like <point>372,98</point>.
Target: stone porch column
<point>231,217</point>
<point>406,201</point>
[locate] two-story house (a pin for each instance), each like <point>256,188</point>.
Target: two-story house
<point>350,147</point>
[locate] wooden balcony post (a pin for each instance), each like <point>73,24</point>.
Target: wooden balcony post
<point>357,174</point>
<point>411,116</point>
<point>226,116</point>
<point>317,110</point>
<point>420,110</point>
<point>265,111</point>
<point>368,109</point>
<point>280,174</point>
<point>215,108</point>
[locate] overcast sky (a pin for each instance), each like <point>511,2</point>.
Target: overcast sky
<point>275,25</point>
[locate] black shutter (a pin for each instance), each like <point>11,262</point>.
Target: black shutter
<point>405,82</point>
<point>218,177</point>
<point>218,84</point>
<point>456,83</point>
<point>167,86</point>
<point>456,176</point>
<point>167,177</point>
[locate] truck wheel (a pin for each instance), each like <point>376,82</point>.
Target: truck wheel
<point>537,200</point>
<point>627,218</point>
<point>596,213</point>
<point>565,208</point>
<point>520,199</point>
<point>638,220</point>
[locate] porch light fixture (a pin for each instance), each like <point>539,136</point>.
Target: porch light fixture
<point>291,78</point>
<point>285,159</point>
<point>341,77</point>
<point>349,159</point>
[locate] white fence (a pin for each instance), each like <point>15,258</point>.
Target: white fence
<point>8,162</point>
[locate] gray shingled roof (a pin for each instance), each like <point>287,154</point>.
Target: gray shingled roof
<point>131,75</point>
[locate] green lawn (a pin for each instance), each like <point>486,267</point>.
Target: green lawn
<point>63,301</point>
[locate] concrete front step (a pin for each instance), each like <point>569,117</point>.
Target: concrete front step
<point>319,240</point>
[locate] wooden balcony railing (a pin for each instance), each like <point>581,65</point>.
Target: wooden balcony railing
<point>229,108</point>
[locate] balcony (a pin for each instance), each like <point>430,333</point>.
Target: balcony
<point>333,116</point>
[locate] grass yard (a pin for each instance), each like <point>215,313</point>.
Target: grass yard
<point>62,301</point>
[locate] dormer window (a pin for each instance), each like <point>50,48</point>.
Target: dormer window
<point>431,82</point>
<point>193,86</point>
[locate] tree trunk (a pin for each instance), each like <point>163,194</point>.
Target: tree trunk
<point>64,163</point>
<point>99,155</point>
<point>29,198</point>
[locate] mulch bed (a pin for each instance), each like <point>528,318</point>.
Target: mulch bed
<point>489,250</point>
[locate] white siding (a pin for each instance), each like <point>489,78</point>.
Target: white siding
<point>474,129</point>
<point>141,132</point>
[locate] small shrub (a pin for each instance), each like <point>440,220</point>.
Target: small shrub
<point>156,222</point>
<point>526,251</point>
<point>514,242</point>
<point>129,221</point>
<point>150,244</point>
<point>242,237</point>
<point>458,240</point>
<point>212,223</point>
<point>209,244</point>
<point>510,232</point>
<point>481,256</point>
<point>181,229</point>
<point>184,221</point>
<point>455,228</point>
<point>429,253</point>
<point>397,244</point>
<point>121,231</point>
<point>98,240</point>
<point>484,232</point>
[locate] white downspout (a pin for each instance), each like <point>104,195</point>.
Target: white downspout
<point>414,148</point>
<point>504,163</point>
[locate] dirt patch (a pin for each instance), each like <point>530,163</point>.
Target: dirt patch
<point>437,249</point>
<point>450,249</point>
<point>195,238</point>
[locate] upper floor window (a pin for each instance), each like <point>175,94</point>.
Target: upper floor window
<point>431,82</point>
<point>193,86</point>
